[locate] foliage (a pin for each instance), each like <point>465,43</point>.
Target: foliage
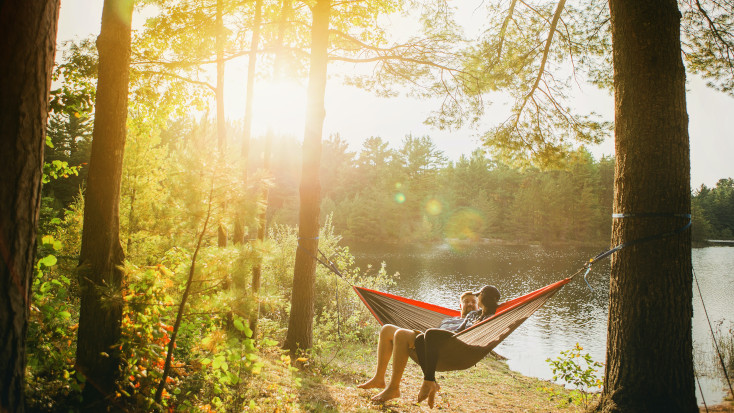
<point>578,370</point>
<point>712,211</point>
<point>411,195</point>
<point>69,132</point>
<point>50,341</point>
<point>708,30</point>
<point>145,334</point>
<point>724,336</point>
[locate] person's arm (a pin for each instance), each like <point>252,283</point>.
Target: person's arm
<point>468,321</point>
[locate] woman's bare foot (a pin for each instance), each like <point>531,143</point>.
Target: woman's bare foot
<point>373,383</point>
<point>428,391</point>
<point>385,395</point>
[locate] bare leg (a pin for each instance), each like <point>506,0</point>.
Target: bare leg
<point>403,341</point>
<point>384,351</point>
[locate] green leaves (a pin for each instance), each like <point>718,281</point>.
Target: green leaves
<point>241,326</point>
<point>47,261</point>
<point>578,370</point>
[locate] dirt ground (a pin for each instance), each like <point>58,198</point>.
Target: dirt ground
<point>329,385</point>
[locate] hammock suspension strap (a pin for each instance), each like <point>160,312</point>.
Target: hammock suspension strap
<point>607,253</point>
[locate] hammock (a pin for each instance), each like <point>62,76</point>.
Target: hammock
<point>468,347</point>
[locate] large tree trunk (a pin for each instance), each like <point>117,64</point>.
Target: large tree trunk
<point>300,324</point>
<point>101,256</point>
<point>649,344</point>
<point>27,47</point>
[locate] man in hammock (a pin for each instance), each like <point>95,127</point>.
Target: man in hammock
<point>400,342</point>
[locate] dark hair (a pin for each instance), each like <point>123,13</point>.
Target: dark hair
<point>490,299</point>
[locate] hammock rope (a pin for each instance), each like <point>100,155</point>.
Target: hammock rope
<point>716,344</point>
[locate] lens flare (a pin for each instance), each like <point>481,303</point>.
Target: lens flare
<point>433,207</point>
<point>399,198</point>
<point>465,224</point>
<point>398,185</point>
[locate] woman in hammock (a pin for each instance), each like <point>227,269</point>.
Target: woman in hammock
<point>400,342</point>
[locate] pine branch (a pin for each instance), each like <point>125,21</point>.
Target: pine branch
<point>541,70</point>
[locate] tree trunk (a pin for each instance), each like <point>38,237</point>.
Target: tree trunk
<point>300,324</point>
<point>182,305</point>
<point>219,89</point>
<point>261,231</point>
<point>101,256</point>
<point>28,33</point>
<point>250,93</point>
<point>649,345</point>
<point>219,92</point>
<point>239,225</point>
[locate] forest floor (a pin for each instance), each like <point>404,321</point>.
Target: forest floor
<point>328,384</point>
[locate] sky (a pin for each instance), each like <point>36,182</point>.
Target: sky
<point>357,115</point>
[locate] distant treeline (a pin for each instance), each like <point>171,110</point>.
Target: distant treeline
<point>713,211</point>
<point>414,194</point>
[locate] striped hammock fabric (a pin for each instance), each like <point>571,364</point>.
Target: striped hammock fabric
<point>416,315</point>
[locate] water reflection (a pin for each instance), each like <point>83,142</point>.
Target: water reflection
<point>439,274</point>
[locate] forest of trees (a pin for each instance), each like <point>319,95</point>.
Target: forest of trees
<point>130,275</point>
<point>415,194</point>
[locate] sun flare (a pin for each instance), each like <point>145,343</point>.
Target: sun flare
<point>279,106</point>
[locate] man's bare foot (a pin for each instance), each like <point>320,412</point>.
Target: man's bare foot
<point>385,395</point>
<point>373,383</point>
<point>428,391</point>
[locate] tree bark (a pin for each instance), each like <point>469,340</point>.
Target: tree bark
<point>27,48</point>
<point>261,230</point>
<point>300,324</point>
<point>101,256</point>
<point>649,345</point>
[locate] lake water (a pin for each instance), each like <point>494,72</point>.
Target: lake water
<point>438,274</point>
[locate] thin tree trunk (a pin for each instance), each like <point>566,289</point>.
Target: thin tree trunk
<point>219,89</point>
<point>28,33</point>
<point>182,306</point>
<point>300,324</point>
<point>219,92</point>
<point>239,226</point>
<point>262,227</point>
<point>101,255</point>
<point>261,231</point>
<point>649,345</point>
<point>131,223</point>
<point>250,93</point>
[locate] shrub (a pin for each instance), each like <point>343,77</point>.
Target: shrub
<point>578,370</point>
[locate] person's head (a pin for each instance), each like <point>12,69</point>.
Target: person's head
<point>468,303</point>
<point>488,297</point>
